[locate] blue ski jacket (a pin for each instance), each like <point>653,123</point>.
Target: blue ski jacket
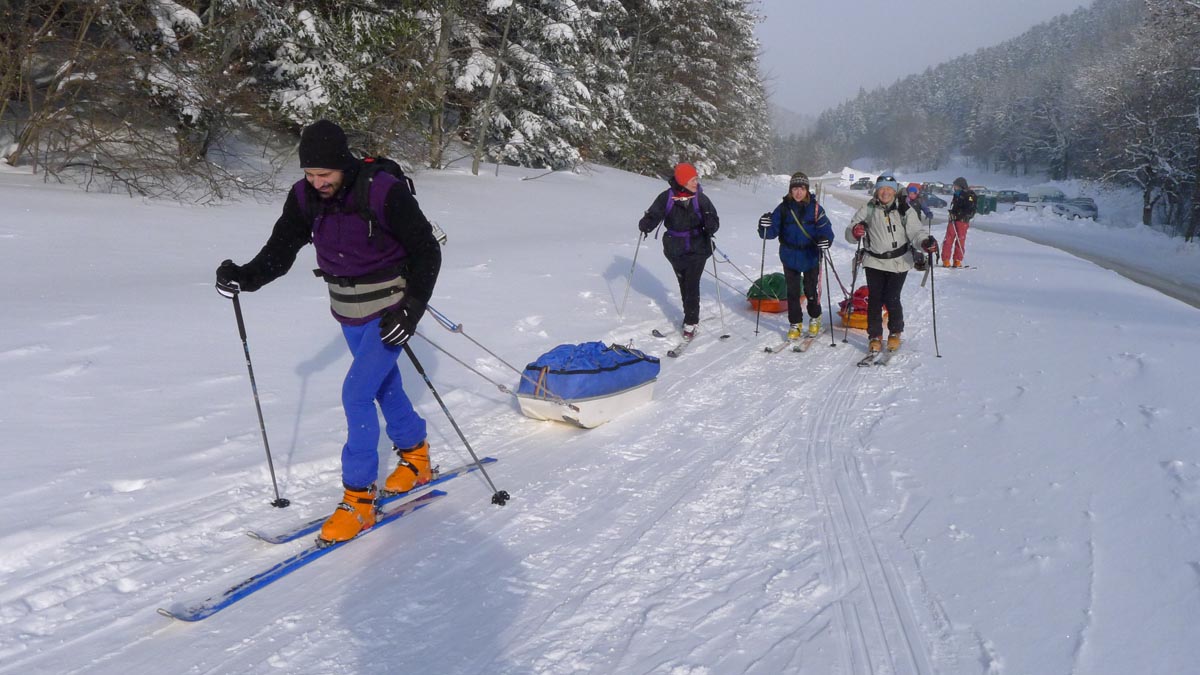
<point>797,225</point>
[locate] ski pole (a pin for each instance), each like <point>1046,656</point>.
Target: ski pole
<point>279,502</point>
<point>724,283</point>
<point>858,254</point>
<point>629,279</point>
<point>445,322</point>
<point>829,296</point>
<point>762,266</point>
<point>499,497</point>
<point>933,299</point>
<point>725,258</point>
<point>720,306</point>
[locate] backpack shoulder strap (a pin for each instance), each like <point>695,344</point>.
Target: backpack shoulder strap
<point>799,223</point>
<point>695,204</point>
<point>370,203</point>
<point>307,208</point>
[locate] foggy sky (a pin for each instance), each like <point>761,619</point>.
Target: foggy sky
<point>817,53</point>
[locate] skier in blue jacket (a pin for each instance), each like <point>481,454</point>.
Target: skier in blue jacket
<point>804,234</point>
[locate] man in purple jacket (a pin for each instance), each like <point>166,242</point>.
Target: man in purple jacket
<point>381,264</point>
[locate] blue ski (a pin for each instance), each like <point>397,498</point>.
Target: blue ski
<point>203,609</point>
<point>314,525</point>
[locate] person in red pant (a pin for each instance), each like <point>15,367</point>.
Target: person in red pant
<point>962,210</point>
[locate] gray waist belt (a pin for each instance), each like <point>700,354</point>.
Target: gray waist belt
<point>362,300</point>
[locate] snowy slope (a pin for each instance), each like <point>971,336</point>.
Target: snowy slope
<point>1028,503</point>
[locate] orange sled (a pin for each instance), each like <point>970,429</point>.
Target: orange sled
<point>771,305</point>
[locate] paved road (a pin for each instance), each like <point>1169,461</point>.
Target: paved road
<point>1145,277</point>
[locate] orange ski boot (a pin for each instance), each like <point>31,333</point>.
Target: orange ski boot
<point>355,514</point>
<point>412,471</point>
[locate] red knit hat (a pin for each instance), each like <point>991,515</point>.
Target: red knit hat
<point>684,172</point>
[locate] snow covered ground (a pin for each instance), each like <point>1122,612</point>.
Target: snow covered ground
<point>1027,503</point>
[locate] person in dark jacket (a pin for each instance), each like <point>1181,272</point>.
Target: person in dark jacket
<point>962,210</point>
<point>804,233</point>
<point>380,277</point>
<point>690,220</point>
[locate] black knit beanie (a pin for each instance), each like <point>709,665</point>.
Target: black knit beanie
<point>323,146</point>
<point>798,179</point>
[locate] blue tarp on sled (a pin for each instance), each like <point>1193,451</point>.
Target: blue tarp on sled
<point>587,370</point>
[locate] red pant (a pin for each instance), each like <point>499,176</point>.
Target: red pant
<point>955,243</point>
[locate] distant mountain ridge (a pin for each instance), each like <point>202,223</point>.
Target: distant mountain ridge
<point>787,122</point>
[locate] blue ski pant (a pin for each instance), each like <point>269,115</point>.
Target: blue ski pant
<point>373,377</point>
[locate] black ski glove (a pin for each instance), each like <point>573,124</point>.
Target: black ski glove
<point>920,262</point>
<point>929,245</point>
<point>229,279</point>
<point>398,324</point>
<point>823,243</point>
<point>763,223</point>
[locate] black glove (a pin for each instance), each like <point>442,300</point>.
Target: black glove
<point>646,226</point>
<point>823,243</point>
<point>919,261</point>
<point>229,279</point>
<point>398,324</point>
<point>765,220</point>
<point>929,245</point>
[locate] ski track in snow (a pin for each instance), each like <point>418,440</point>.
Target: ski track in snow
<point>822,586</point>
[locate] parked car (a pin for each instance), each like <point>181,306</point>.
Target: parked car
<point>935,187</point>
<point>1027,206</point>
<point>863,184</point>
<point>1044,193</point>
<point>980,191</point>
<point>1073,210</point>
<point>1085,204</point>
<point>933,201</point>
<point>1011,196</point>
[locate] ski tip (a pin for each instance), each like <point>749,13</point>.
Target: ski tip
<point>178,615</point>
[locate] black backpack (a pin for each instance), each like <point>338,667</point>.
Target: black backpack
<point>372,167</point>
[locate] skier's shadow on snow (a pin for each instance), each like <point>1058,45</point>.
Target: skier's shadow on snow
<point>434,594</point>
<point>327,356</point>
<point>643,283</point>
